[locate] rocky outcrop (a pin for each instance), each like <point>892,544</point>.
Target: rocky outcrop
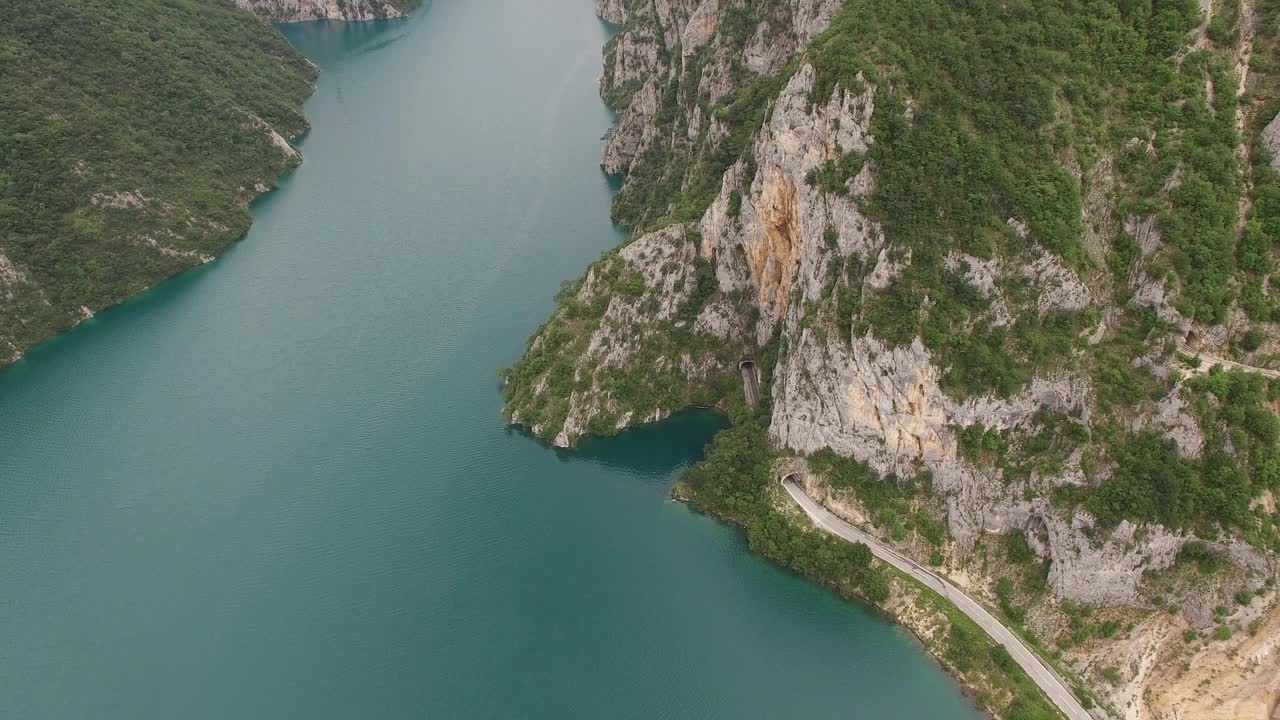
<point>701,27</point>
<point>287,11</point>
<point>1271,141</point>
<point>1238,678</point>
<point>637,68</point>
<point>639,334</point>
<point>1154,672</point>
<point>786,33</point>
<point>784,222</point>
<point>634,132</point>
<point>612,11</point>
<point>10,277</point>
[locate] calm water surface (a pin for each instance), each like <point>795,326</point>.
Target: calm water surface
<point>280,487</point>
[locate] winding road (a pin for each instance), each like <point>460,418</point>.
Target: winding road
<point>1044,676</point>
<point>1211,360</point>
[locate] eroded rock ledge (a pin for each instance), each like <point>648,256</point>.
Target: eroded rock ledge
<point>287,11</point>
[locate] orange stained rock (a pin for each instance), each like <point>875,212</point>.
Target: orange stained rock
<point>773,261</point>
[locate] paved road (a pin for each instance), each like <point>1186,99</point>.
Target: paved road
<point>750,383</point>
<point>1207,361</point>
<point>1057,690</point>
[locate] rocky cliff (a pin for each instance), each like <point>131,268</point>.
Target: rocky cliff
<point>286,11</point>
<point>961,260</point>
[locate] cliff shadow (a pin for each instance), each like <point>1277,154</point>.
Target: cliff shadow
<point>652,450</point>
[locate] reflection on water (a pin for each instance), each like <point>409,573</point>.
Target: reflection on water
<point>655,450</point>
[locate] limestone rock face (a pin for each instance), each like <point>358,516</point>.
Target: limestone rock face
<point>611,11</point>
<point>640,294</point>
<point>285,11</point>
<point>634,132</point>
<point>701,27</point>
<point>881,405</point>
<point>1271,141</point>
<point>638,66</point>
<point>809,18</point>
<point>611,343</point>
<point>788,32</point>
<point>10,277</point>
<point>783,220</point>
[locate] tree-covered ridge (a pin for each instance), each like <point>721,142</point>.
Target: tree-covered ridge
<point>1003,130</point>
<point>133,133</point>
<point>1014,110</point>
<point>1208,494</point>
<point>1018,110</point>
<point>988,112</point>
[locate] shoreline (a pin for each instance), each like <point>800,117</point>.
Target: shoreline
<point>916,630</point>
<point>22,355</point>
<point>890,610</point>
<point>294,141</point>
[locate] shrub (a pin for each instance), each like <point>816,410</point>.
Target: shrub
<point>1018,549</point>
<point>1206,559</point>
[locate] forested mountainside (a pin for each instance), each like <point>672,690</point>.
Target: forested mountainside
<point>284,11</point>
<point>133,134</point>
<point>1006,269</point>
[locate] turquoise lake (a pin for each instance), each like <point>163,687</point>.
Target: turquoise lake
<point>280,486</point>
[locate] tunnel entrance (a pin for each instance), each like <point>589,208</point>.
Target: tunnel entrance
<point>750,381</point>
